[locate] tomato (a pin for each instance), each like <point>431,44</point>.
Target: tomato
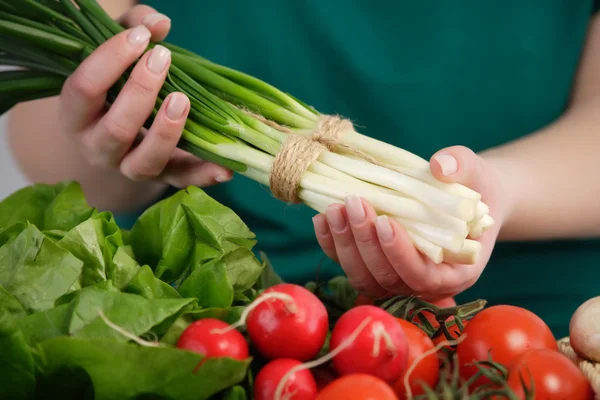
<point>442,303</point>
<point>504,332</point>
<point>427,370</point>
<point>454,333</point>
<point>554,376</point>
<point>324,375</point>
<point>357,387</point>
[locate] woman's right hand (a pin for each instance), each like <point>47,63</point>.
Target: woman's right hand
<point>107,138</point>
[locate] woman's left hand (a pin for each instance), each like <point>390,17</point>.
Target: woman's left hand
<point>377,253</point>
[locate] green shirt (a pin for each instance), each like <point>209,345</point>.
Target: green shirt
<point>421,75</point>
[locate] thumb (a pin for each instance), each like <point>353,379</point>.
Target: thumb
<point>459,164</point>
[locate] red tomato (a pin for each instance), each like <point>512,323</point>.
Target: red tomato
<point>357,387</point>
<point>442,303</point>
<point>427,370</point>
<point>454,332</point>
<point>504,332</point>
<point>554,376</point>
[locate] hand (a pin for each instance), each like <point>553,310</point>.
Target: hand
<point>107,139</point>
<point>379,257</point>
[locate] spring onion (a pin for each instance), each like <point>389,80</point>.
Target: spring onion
<point>252,128</point>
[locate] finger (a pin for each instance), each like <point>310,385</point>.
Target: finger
<point>158,24</point>
<point>403,256</point>
<point>324,237</point>
<point>148,159</point>
<point>458,164</point>
<point>83,95</point>
<point>114,134</point>
<point>349,257</point>
<point>183,172</point>
<point>362,223</point>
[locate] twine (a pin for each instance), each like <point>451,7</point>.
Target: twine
<point>298,152</point>
<point>590,369</point>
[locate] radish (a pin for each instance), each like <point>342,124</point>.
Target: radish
<point>201,337</point>
<point>584,330</point>
<point>381,349</point>
<point>293,324</point>
<point>299,385</point>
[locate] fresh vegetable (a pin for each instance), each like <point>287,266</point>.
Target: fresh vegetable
<point>427,368</point>
<point>548,375</point>
<point>200,337</point>
<point>252,128</point>
<point>293,327</point>
<point>357,387</point>
<point>503,332</point>
<point>82,314</point>
<point>300,385</point>
<point>584,330</point>
<point>381,349</point>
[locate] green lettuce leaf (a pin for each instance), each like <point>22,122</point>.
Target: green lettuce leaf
<point>17,367</point>
<point>36,271</point>
<point>132,313</point>
<point>95,242</point>
<point>123,267</point>
<point>49,207</point>
<point>127,371</point>
<point>145,284</point>
<point>44,325</point>
<point>10,304</point>
<point>166,236</point>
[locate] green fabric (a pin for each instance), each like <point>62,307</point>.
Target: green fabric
<point>418,74</point>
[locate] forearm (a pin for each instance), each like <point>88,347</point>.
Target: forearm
<point>47,156</point>
<point>549,180</point>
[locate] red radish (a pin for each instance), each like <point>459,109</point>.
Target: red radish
<point>200,337</point>
<point>380,349</point>
<point>291,325</point>
<point>299,385</point>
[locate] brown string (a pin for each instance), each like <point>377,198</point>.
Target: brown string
<point>296,155</point>
<point>298,152</point>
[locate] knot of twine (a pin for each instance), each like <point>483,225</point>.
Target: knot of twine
<point>298,152</point>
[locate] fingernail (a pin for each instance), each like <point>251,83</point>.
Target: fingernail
<point>159,58</point>
<point>138,35</point>
<point>356,211</point>
<point>384,229</point>
<point>319,223</point>
<point>448,164</point>
<point>335,218</point>
<point>153,19</point>
<point>176,107</point>
<point>222,178</point>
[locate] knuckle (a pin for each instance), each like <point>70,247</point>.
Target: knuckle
<point>140,171</point>
<point>389,281</point>
<point>82,87</point>
<point>366,239</point>
<point>165,134</point>
<point>144,87</point>
<point>116,131</point>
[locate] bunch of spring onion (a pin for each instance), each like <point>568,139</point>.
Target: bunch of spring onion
<point>242,123</point>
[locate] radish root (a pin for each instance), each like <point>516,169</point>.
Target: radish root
<point>127,334</point>
<point>312,364</point>
<point>380,334</point>
<point>426,354</point>
<point>286,298</point>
